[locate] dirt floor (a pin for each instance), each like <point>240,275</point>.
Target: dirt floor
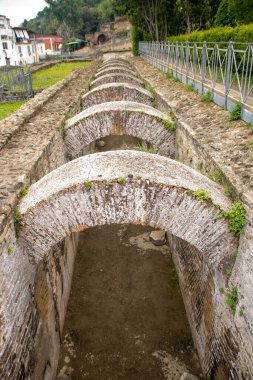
<point>125,319</point>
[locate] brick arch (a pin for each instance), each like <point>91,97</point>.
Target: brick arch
<point>115,78</point>
<point>116,92</point>
<point>118,118</point>
<point>115,69</point>
<point>111,64</point>
<point>155,192</point>
<point>140,188</point>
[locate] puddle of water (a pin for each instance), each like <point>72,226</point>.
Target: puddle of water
<point>125,319</point>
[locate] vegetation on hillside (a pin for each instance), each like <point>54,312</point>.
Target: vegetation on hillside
<point>71,17</point>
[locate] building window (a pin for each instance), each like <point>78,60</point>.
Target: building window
<point>2,25</point>
<point>20,51</point>
<point>29,50</point>
<point>4,37</point>
<point>5,45</point>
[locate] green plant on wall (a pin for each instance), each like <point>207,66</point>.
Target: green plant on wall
<point>236,218</point>
<point>169,125</point>
<point>200,195</point>
<point>232,300</point>
<point>87,185</point>
<point>121,181</point>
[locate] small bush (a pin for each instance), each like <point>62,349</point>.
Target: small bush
<point>9,250</point>
<point>232,300</point>
<point>200,195</point>
<point>190,87</point>
<point>228,273</point>
<point>207,97</point>
<point>216,177</point>
<point>16,220</point>
<point>234,255</point>
<point>121,181</point>
<point>228,192</point>
<point>87,185</point>
<point>241,33</point>
<point>236,218</point>
<point>23,192</point>
<point>169,126</point>
<point>236,112</point>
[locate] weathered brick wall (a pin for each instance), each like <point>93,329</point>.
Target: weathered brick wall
<point>33,148</point>
<point>206,142</point>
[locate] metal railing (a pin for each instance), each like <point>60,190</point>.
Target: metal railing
<point>15,84</point>
<point>224,69</point>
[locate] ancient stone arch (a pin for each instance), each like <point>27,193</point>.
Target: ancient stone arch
<point>116,92</point>
<point>113,64</point>
<point>116,78</point>
<point>115,69</point>
<point>124,187</point>
<point>118,118</point>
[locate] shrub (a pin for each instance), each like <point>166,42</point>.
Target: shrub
<point>169,125</point>
<point>236,112</point>
<point>136,37</point>
<point>216,177</point>
<point>232,300</point>
<point>23,192</point>
<point>200,195</point>
<point>121,180</point>
<point>16,220</point>
<point>147,149</point>
<point>236,218</point>
<point>87,185</point>
<point>207,97</point>
<point>242,33</point>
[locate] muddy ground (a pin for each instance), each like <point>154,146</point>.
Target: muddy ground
<point>125,319</point>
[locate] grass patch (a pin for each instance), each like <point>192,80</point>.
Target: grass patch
<point>171,76</point>
<point>48,77</point>
<point>121,181</point>
<point>200,195</point>
<point>87,185</point>
<point>190,87</point>
<point>207,97</point>
<point>147,149</point>
<point>216,177</point>
<point>16,220</point>
<point>236,112</point>
<point>236,218</point>
<point>250,127</point>
<point>169,125</point>
<point>8,108</point>
<point>228,192</point>
<point>232,300</point>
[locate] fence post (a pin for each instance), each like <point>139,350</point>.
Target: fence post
<point>187,58</point>
<point>176,58</point>
<point>203,67</point>
<point>228,72</point>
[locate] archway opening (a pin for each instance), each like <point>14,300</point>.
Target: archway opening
<point>125,317</point>
<point>101,39</point>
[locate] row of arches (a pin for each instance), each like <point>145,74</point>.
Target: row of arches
<point>137,188</point>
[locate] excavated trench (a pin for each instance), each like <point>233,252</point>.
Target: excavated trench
<point>117,306</point>
<point>125,317</point>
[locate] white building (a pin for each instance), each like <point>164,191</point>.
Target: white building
<point>8,53</point>
<point>17,47</point>
<point>26,48</point>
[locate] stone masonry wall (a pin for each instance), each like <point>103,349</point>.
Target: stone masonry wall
<point>206,141</point>
<point>33,148</point>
